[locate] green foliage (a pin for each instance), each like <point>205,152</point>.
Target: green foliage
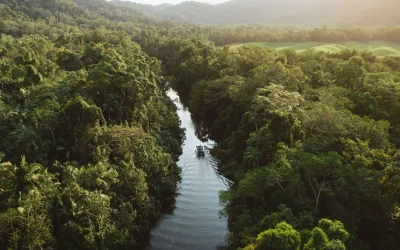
<point>303,134</point>
<point>283,236</point>
<point>333,229</point>
<point>28,225</point>
<point>69,61</point>
<point>318,240</point>
<point>312,131</point>
<point>328,235</point>
<point>97,135</point>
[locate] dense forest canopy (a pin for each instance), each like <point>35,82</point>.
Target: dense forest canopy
<point>74,18</point>
<point>89,139</point>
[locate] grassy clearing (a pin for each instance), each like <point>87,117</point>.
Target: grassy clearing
<point>376,47</point>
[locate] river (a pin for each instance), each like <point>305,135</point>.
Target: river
<point>195,223</point>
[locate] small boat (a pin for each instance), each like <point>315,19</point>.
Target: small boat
<point>200,151</point>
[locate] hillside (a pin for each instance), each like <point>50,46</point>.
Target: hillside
<point>302,12</point>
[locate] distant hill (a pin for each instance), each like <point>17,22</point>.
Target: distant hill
<point>298,12</point>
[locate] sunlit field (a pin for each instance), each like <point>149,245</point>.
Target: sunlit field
<point>376,47</point>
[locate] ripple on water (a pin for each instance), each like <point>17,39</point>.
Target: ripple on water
<point>195,223</point>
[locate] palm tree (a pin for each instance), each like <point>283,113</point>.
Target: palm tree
<point>98,177</point>
<point>252,157</point>
<point>31,176</point>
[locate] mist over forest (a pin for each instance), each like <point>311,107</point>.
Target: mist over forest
<point>306,13</point>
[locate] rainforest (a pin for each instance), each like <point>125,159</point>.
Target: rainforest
<point>302,124</point>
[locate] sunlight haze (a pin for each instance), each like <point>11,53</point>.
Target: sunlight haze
<point>156,2</point>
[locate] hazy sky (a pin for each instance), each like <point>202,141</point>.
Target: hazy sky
<point>154,2</point>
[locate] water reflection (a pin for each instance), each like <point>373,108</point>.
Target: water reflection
<point>195,223</point>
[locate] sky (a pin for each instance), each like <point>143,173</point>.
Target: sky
<point>155,2</point>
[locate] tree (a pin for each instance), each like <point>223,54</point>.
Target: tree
<point>252,157</point>
<point>350,74</point>
<point>283,236</point>
<point>28,226</point>
<point>69,61</point>
<point>329,235</point>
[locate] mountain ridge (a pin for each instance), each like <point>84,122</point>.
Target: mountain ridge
<point>301,13</point>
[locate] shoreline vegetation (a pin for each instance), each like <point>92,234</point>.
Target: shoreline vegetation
<point>89,139</point>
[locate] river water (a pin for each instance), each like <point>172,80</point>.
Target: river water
<point>195,223</point>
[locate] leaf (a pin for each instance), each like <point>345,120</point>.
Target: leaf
<point>2,155</point>
<point>21,210</point>
<point>73,204</point>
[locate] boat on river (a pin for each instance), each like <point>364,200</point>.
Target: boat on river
<point>196,222</point>
<point>200,151</point>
